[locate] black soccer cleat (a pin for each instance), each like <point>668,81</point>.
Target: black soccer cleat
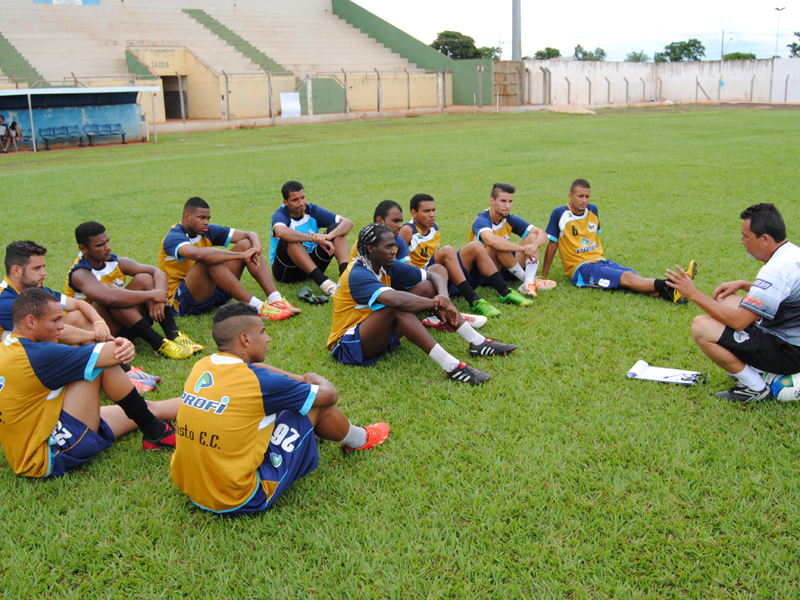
<point>466,374</point>
<point>491,347</point>
<point>744,395</point>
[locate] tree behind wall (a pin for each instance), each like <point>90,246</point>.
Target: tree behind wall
<point>637,57</point>
<point>547,53</point>
<point>681,51</point>
<point>794,47</point>
<point>739,56</point>
<point>582,54</point>
<point>458,46</point>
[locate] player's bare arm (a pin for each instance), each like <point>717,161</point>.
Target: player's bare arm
<point>731,287</point>
<point>549,255</point>
<point>111,295</point>
<point>736,318</point>
<point>213,256</point>
<point>406,233</point>
<point>101,330</point>
<point>116,352</point>
<point>405,301</point>
<point>501,244</point>
<point>343,227</point>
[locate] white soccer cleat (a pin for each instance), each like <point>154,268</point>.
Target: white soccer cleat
<point>528,289</point>
<point>545,284</point>
<point>476,321</point>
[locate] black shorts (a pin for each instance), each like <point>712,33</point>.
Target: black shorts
<point>285,271</point>
<point>762,350</point>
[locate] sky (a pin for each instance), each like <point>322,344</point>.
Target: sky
<point>619,27</point>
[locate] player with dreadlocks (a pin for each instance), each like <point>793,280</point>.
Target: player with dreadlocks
<point>378,300</point>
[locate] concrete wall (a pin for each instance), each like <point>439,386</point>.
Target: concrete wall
<point>249,96</point>
<point>465,77</point>
<point>573,81</point>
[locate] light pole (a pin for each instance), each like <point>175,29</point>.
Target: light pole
<point>779,29</point>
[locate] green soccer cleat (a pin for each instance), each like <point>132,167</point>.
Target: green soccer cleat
<point>482,307</point>
<point>516,298</point>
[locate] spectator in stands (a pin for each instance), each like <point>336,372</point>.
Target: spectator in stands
<point>13,134</point>
<point>3,131</point>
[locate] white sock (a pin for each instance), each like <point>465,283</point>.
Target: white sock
<point>531,268</point>
<point>468,333</point>
<point>274,297</point>
<point>517,272</point>
<point>356,437</point>
<point>443,359</point>
<point>256,303</point>
<point>750,378</point>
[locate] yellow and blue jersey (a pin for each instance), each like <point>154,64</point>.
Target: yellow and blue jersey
<point>8,293</point>
<point>512,224</point>
<point>577,236</point>
<point>402,250</point>
<point>421,248</point>
<point>225,422</point>
<point>359,288</point>
<point>176,266</point>
<point>109,273</point>
<point>33,377</point>
<point>314,219</point>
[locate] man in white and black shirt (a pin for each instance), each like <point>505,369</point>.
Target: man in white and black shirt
<point>760,331</point>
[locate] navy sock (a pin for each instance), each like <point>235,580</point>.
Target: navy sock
<point>135,408</point>
<point>499,284</point>
<point>318,276</point>
<point>468,293</point>
<point>143,330</point>
<point>168,324</point>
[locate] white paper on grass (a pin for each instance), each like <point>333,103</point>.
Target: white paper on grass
<point>290,104</point>
<point>641,370</point>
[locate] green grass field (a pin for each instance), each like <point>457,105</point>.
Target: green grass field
<point>559,478</point>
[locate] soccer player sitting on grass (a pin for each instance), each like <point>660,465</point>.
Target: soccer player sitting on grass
<point>25,268</point>
<point>493,228</point>
<point>761,330</point>
<point>246,430</point>
<point>390,214</point>
<point>51,420</point>
<point>465,270</point>
<point>298,250</point>
<point>378,300</point>
<point>202,277</point>
<point>99,276</point>
<point>574,231</point>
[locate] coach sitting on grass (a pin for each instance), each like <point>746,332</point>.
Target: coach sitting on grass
<point>378,300</point>
<point>246,431</point>
<point>762,330</point>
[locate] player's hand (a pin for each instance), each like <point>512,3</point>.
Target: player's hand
<point>253,255</point>
<point>726,289</point>
<point>101,332</point>
<point>327,246</point>
<point>449,314</point>
<point>314,379</point>
<point>159,296</point>
<point>157,311</point>
<point>440,302</point>
<point>531,252</point>
<point>318,238</point>
<point>124,352</point>
<point>681,282</point>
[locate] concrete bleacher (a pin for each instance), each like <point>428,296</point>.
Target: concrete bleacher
<point>300,37</point>
<point>311,41</point>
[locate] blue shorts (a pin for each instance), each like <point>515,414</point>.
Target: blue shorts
<point>291,455</point>
<point>603,274</point>
<point>72,443</point>
<point>348,350</point>
<point>188,306</point>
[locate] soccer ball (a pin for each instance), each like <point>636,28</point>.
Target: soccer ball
<point>786,387</point>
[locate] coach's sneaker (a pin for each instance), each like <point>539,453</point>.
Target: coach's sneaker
<point>516,298</point>
<point>185,340</point>
<point>491,347</point>
<point>283,304</point>
<point>475,321</point>
<point>466,374</point>
<point>170,349</point>
<point>167,439</point>
<point>483,308</point>
<point>691,271</point>
<point>376,435</point>
<point>544,285</point>
<point>271,313</point>
<point>529,289</point>
<point>744,395</point>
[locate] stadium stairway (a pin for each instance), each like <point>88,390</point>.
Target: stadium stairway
<point>234,39</point>
<point>311,41</point>
<point>12,63</point>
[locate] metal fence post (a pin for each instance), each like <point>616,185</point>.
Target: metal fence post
<point>644,89</point>
<point>527,85</point>
<point>752,81</point>
<point>786,91</point>
<point>608,81</point>
<point>180,94</point>
<point>444,88</point>
<point>590,91</point>
<point>771,74</point>
<point>153,102</point>
<point>309,96</point>
<point>346,96</point>
<point>569,91</point>
<point>627,87</point>
<point>271,100</point>
<point>480,86</point>
<point>408,87</point>
<point>380,98</point>
<point>544,85</point>
<point>438,90</point>
<point>660,88</point>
